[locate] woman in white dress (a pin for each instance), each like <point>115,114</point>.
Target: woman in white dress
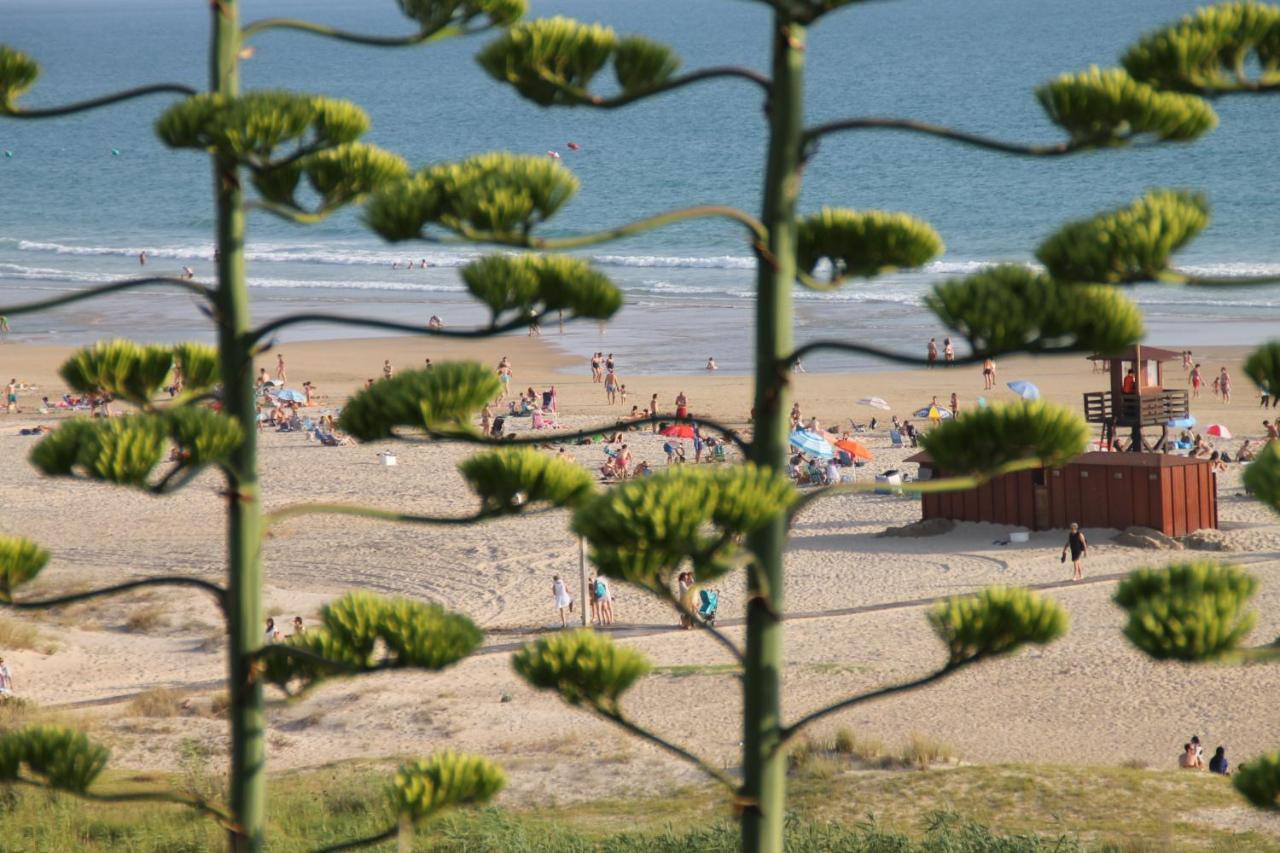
<point>563,600</point>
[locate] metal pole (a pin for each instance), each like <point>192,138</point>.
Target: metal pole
<point>583,602</point>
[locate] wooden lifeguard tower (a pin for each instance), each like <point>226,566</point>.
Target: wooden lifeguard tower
<point>1139,402</point>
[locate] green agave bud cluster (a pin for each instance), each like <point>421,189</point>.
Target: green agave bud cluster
<point>996,621</point>
<point>496,193</point>
<point>1010,308</point>
<point>643,530</point>
<point>1263,367</point>
<point>1188,611</point>
<point>433,15</point>
<point>528,285</point>
<point>361,630</point>
<point>126,450</point>
<point>1206,52</point>
<point>1259,781</point>
<point>130,371</point>
<point>251,127</point>
<point>554,60</point>
<point>1262,476</point>
<point>199,363</point>
<point>864,243</point>
<point>20,561</point>
<point>1106,108</point>
<point>986,440</point>
<point>1128,244</point>
<point>17,74</point>
<point>513,478</point>
<point>443,399</point>
<point>340,175</point>
<point>582,666</point>
<point>422,789</point>
<point>64,758</point>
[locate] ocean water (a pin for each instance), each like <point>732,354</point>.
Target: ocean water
<point>73,214</point>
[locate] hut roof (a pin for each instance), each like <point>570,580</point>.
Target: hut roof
<point>1131,354</point>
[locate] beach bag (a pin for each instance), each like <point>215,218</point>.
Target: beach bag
<point>600,589</point>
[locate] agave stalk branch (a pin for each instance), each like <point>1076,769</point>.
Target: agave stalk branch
<point>1057,149</point>
<point>701,211</point>
<point>356,510</point>
<point>366,841</point>
<point>288,213</point>
<point>104,101</point>
<point>114,287</point>
<point>618,426</point>
<point>266,329</point>
<point>793,729</point>
<point>199,805</point>
<point>615,716</point>
<point>582,97</point>
<point>219,593</point>
<point>1225,281</point>
<point>420,37</point>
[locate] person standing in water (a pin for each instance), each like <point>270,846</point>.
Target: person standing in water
<point>1079,549</point>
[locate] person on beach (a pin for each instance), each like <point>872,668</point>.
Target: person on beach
<point>684,595</point>
<point>711,363</point>
<point>596,375</point>
<point>564,602</point>
<point>605,600</point>
<point>298,630</point>
<point>954,405</point>
<point>1246,452</point>
<point>1196,381</point>
<point>933,352</point>
<point>1273,430</point>
<point>1079,550</point>
<point>622,394</point>
<point>272,634</point>
<point>608,363</point>
<point>988,374</point>
<point>1218,764</point>
<point>280,371</point>
<point>310,391</point>
<point>435,322</point>
<point>948,351</point>
<point>11,396</point>
<point>262,379</point>
<point>611,387</point>
<point>387,370</point>
<point>1224,385</point>
<point>6,680</point>
<point>682,405</point>
<point>1186,363</point>
<point>142,258</point>
<point>4,325</point>
<point>1189,760</point>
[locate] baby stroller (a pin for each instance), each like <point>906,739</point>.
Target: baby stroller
<point>710,599</point>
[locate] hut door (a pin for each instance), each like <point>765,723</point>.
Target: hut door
<point>1041,492</point>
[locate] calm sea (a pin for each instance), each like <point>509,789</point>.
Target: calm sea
<point>74,213</point>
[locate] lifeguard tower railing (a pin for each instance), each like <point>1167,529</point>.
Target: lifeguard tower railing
<point>1154,407</point>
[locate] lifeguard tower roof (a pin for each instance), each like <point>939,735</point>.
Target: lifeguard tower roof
<point>1138,353</point>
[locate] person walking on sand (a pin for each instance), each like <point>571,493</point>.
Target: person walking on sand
<point>11,396</point>
<point>611,386</point>
<point>4,325</point>
<point>1079,549</point>
<point>387,370</point>
<point>653,410</point>
<point>280,371</point>
<point>954,405</point>
<point>1224,385</point>
<point>564,602</point>
<point>933,352</point>
<point>988,374</point>
<point>948,351</point>
<point>682,405</point>
<point>1196,381</point>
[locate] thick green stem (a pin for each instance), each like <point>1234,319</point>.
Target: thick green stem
<point>763,797</point>
<point>244,566</point>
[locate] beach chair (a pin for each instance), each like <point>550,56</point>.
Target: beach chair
<point>718,454</point>
<point>895,438</point>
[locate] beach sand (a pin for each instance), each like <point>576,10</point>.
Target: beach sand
<point>1089,698</point>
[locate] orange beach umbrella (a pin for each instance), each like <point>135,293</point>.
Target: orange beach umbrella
<point>853,448</point>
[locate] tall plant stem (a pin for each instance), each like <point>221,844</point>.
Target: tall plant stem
<point>763,796</point>
<point>244,566</point>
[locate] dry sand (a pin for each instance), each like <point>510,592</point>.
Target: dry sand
<point>1088,698</point>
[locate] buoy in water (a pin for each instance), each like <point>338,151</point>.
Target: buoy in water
<point>8,153</point>
<point>573,146</point>
<point>115,152</point>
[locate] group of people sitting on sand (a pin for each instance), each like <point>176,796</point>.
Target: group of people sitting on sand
<point>1192,758</point>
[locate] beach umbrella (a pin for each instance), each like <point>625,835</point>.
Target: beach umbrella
<point>1183,423</point>
<point>291,396</point>
<point>812,444</point>
<point>875,403</point>
<point>679,431</point>
<point>853,448</point>
<point>1220,430</point>
<point>931,411</point>
<point>1024,389</point>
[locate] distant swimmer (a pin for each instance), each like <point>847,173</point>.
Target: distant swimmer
<point>396,265</point>
<point>554,155</point>
<point>573,146</point>
<point>422,264</point>
<point>435,322</point>
<point>711,364</point>
<point>142,259</point>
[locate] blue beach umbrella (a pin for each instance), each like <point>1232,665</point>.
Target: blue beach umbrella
<point>812,444</point>
<point>1183,423</point>
<point>1024,389</point>
<point>291,396</point>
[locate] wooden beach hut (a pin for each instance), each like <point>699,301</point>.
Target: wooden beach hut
<point>1172,494</point>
